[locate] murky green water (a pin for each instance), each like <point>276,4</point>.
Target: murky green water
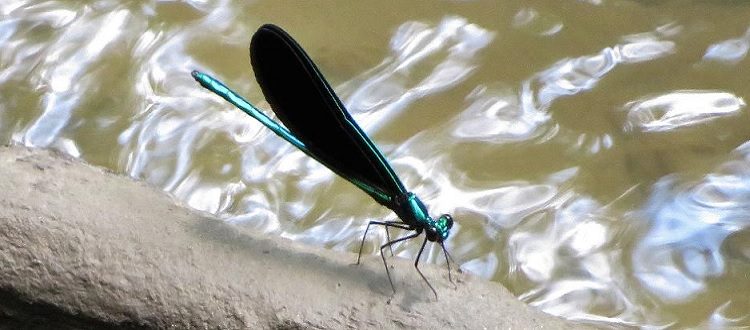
<point>592,152</point>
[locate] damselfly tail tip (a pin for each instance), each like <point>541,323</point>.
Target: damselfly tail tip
<point>201,78</point>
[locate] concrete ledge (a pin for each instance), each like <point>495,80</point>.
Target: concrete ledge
<point>81,247</point>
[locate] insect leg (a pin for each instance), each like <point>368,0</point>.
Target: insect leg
<point>388,239</point>
<point>416,265</point>
<point>387,224</point>
<point>388,272</point>
<point>448,260</point>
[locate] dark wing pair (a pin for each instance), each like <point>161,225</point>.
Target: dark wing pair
<point>309,108</point>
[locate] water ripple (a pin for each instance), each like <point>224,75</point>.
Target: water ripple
<point>65,70</point>
<point>680,109</point>
<point>569,240</point>
<point>495,115</point>
<point>729,51</point>
<point>501,115</point>
<point>689,223</point>
<point>424,60</point>
<point>529,19</point>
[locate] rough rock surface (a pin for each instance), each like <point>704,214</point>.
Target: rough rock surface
<point>81,247</point>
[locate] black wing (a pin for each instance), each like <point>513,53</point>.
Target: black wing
<point>309,108</point>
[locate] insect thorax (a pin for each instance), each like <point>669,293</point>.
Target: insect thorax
<point>413,212</point>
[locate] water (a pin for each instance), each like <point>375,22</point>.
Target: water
<point>594,153</point>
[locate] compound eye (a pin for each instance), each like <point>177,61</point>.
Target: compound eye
<point>447,219</point>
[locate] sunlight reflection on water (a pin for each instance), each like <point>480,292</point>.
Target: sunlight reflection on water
<point>682,249</point>
<point>679,109</point>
